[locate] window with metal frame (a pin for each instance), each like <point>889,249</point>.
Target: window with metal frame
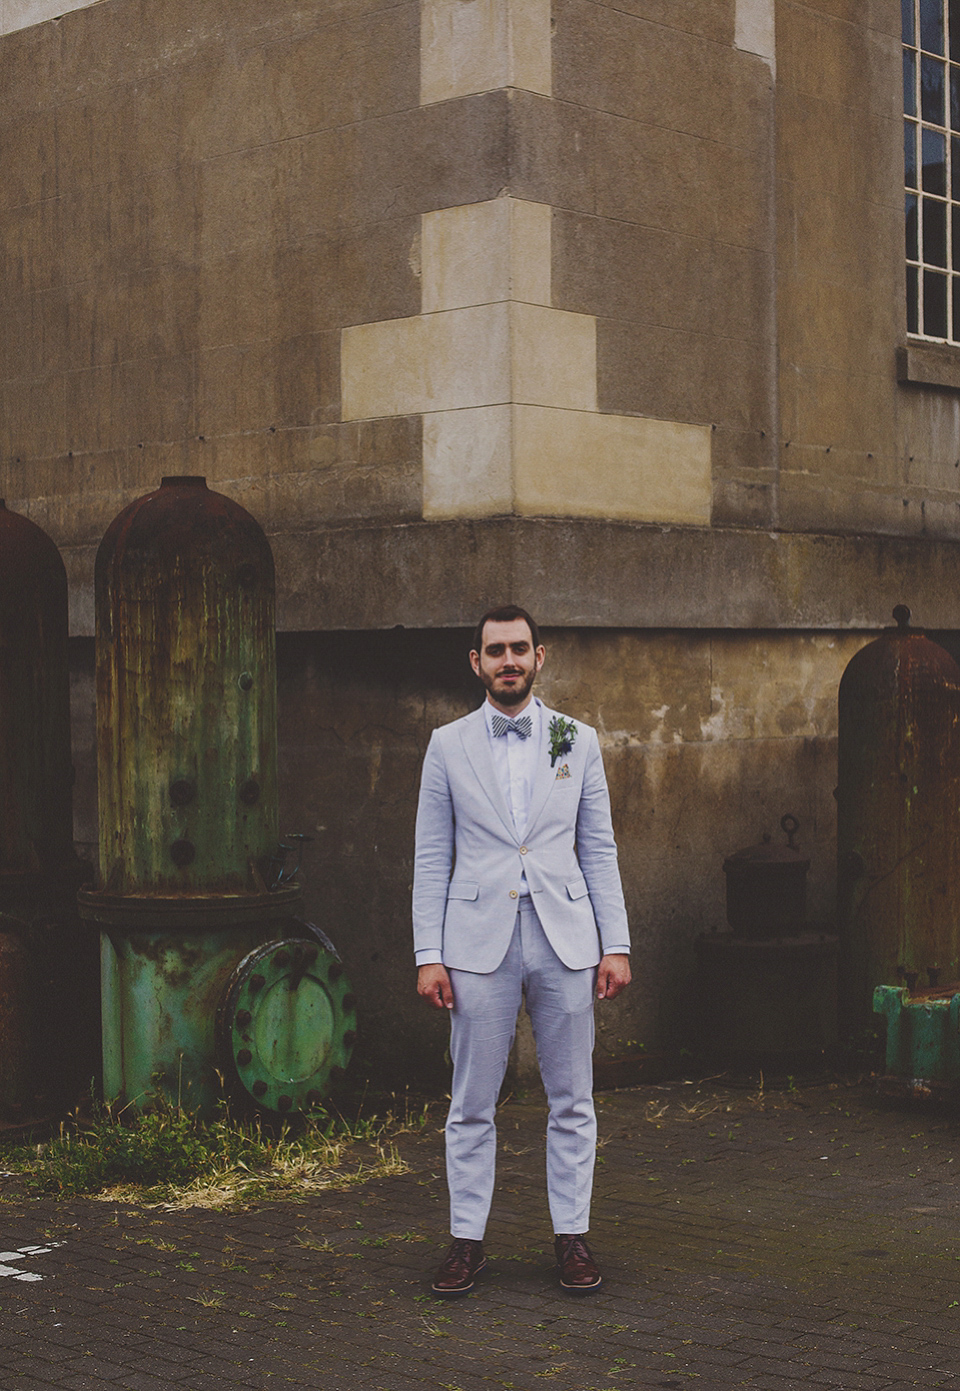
<point>931,149</point>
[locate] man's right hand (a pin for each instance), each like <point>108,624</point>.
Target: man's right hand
<point>433,983</point>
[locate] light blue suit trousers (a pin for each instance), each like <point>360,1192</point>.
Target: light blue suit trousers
<point>482,1024</point>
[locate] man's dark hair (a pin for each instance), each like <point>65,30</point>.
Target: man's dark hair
<point>506,613</point>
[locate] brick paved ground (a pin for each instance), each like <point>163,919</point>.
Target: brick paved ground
<point>777,1241</point>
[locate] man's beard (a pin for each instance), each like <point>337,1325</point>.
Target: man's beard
<point>509,695</point>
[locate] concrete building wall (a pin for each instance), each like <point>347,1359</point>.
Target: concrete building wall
<point>841,296</point>
<point>668,233</point>
<point>360,261</point>
<point>595,307</point>
<point>199,197</point>
<point>708,740</point>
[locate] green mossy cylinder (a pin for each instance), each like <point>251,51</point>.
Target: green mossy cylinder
<point>186,696</point>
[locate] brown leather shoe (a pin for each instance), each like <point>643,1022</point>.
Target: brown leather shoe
<point>459,1267</point>
<point>577,1268</point>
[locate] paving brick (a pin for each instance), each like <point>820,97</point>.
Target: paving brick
<point>728,1272</point>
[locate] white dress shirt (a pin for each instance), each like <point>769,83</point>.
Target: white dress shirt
<point>515,761</point>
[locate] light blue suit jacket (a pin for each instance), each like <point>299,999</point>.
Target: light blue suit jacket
<point>469,857</point>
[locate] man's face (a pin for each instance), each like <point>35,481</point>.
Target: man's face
<point>508,664</point>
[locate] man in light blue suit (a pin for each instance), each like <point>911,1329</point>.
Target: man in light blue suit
<point>517,894</point>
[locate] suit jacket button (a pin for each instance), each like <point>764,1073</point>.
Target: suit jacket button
<point>513,893</point>
<point>523,850</point>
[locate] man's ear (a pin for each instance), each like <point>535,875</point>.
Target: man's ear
<point>540,655</point>
<point>475,661</point>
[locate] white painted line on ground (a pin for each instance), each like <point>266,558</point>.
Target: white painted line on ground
<point>18,1255</point>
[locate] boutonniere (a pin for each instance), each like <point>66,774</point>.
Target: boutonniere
<point>562,735</point>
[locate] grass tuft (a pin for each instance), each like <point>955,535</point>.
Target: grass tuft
<point>167,1158</point>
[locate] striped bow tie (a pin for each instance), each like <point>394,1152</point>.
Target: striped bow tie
<point>522,725</point>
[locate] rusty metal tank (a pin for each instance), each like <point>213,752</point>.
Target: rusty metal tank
<point>186,696</point>
<point>206,975</point>
<point>36,800</point>
<point>47,969</point>
<point>898,803</point>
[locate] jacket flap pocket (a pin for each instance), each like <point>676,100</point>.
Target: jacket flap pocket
<point>463,888</point>
<point>577,888</point>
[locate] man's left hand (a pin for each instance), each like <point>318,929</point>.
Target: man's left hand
<point>613,975</point>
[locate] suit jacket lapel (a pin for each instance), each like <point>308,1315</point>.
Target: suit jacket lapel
<point>545,776</point>
<point>476,745</point>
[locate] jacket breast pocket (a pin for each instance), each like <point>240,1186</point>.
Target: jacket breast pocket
<point>463,888</point>
<point>577,888</point>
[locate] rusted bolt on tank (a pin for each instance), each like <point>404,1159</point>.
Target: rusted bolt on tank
<point>182,792</point>
<point>250,792</point>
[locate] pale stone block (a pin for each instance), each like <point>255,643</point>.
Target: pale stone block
<point>530,38</point>
<point>467,463</point>
<point>755,30</point>
<point>483,253</point>
<point>483,355</point>
<point>571,463</point>
<point>471,46</point>
<point>531,226</point>
<point>20,14</point>
<point>433,362</point>
<point>554,357</point>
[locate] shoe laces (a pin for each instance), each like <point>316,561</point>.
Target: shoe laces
<point>463,1246</point>
<point>571,1245</point>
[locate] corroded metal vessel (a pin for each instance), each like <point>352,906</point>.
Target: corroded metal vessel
<point>36,803</point>
<point>47,968</point>
<point>206,977</point>
<point>186,696</point>
<point>898,802</point>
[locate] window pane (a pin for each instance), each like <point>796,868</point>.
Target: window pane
<point>909,154</point>
<point>934,232</point>
<point>934,147</point>
<point>913,244</point>
<point>913,312</point>
<point>932,90</point>
<point>931,25</point>
<point>955,240</point>
<point>910,83</point>
<point>954,12</point>
<point>934,304</point>
<point>906,20</point>
<point>956,308</point>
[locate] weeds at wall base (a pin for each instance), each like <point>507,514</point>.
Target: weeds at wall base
<point>166,1157</point>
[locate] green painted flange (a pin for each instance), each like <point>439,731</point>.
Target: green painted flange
<point>923,1033</point>
<point>286,1025</point>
